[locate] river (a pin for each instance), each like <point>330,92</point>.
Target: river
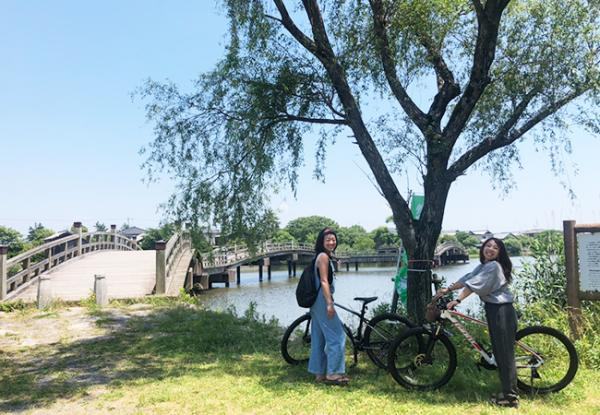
<point>276,298</point>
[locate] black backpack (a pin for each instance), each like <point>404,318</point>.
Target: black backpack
<point>307,291</point>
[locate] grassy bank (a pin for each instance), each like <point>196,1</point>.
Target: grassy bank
<point>172,357</point>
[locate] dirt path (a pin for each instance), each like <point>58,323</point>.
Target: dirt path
<point>32,345</point>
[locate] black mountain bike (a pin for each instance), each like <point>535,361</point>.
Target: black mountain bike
<point>424,358</point>
<point>378,334</point>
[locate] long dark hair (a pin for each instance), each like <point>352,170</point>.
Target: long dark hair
<point>320,244</point>
<point>502,258</point>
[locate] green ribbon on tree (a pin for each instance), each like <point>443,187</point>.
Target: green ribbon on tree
<point>400,280</point>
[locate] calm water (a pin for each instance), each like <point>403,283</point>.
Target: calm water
<point>276,298</point>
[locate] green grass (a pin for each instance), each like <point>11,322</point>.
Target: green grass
<point>182,359</point>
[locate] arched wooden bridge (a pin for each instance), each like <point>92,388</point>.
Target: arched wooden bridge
<point>69,266</point>
<point>449,252</point>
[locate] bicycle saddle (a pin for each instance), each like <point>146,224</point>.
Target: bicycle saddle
<point>366,300</point>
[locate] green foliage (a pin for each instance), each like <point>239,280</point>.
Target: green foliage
<point>13,239</point>
<point>199,241</point>
<point>306,229</point>
<point>384,238</point>
<point>10,306</point>
<point>467,240</point>
<point>352,235</point>
<point>447,238</point>
<point>544,278</point>
<point>513,246</point>
<point>264,228</point>
<point>283,236</point>
<point>100,227</point>
<point>548,313</point>
<point>37,233</point>
<point>157,234</point>
<point>15,269</point>
<point>380,308</point>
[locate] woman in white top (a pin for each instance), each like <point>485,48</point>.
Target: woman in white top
<point>490,281</point>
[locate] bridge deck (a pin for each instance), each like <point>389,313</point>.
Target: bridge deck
<point>128,274</point>
<point>179,273</point>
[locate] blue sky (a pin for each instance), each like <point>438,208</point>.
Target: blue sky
<point>70,132</point>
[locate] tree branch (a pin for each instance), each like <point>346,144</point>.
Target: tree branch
<point>488,19</point>
<point>291,27</point>
<point>448,89</point>
<point>290,117</point>
<point>503,138</point>
<point>389,67</point>
<point>322,50</point>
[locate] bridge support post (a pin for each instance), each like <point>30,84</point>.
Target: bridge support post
<point>161,267</point>
<point>44,294</point>
<point>289,268</point>
<point>294,261</point>
<point>267,262</point>
<point>347,266</point>
<point>356,266</point>
<point>238,272</point>
<point>231,276</point>
<point>189,279</point>
<point>260,270</point>
<point>3,271</point>
<point>78,231</point>
<point>100,290</point>
<point>113,230</point>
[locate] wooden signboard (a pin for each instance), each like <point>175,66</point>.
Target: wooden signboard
<point>582,260</point>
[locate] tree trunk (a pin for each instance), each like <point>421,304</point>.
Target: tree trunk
<point>427,232</point>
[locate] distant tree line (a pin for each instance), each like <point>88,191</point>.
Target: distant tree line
<point>516,245</point>
<point>300,230</point>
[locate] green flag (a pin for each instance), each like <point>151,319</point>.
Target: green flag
<point>401,277</point>
<point>416,205</point>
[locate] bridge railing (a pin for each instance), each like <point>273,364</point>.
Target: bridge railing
<point>21,270</point>
<point>175,247</point>
<point>232,254</point>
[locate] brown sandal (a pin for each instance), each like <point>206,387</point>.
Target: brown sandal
<point>505,401</point>
<point>341,380</point>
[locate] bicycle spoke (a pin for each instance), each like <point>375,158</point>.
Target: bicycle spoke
<point>546,360</point>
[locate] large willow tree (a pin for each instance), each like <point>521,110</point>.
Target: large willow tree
<point>499,72</point>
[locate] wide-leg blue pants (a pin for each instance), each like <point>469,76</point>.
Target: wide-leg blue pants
<point>328,341</point>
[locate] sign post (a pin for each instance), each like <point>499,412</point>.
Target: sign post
<point>582,261</point>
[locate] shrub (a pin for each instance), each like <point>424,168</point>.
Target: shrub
<point>543,279</point>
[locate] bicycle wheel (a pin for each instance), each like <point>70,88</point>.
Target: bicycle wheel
<point>546,360</point>
<point>417,360</point>
<point>295,344</point>
<point>380,333</point>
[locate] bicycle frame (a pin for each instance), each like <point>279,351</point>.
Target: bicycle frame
<point>361,316</point>
<point>450,315</point>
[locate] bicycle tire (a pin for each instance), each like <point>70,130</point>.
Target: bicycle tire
<point>295,344</point>
<point>380,333</point>
<point>560,361</point>
<point>413,367</point>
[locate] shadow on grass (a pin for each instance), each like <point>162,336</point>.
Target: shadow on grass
<point>181,341</point>
<point>165,343</point>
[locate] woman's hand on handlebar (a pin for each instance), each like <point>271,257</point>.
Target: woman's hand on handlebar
<point>442,291</point>
<point>452,304</point>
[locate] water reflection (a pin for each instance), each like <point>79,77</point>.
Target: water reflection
<point>276,298</point>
